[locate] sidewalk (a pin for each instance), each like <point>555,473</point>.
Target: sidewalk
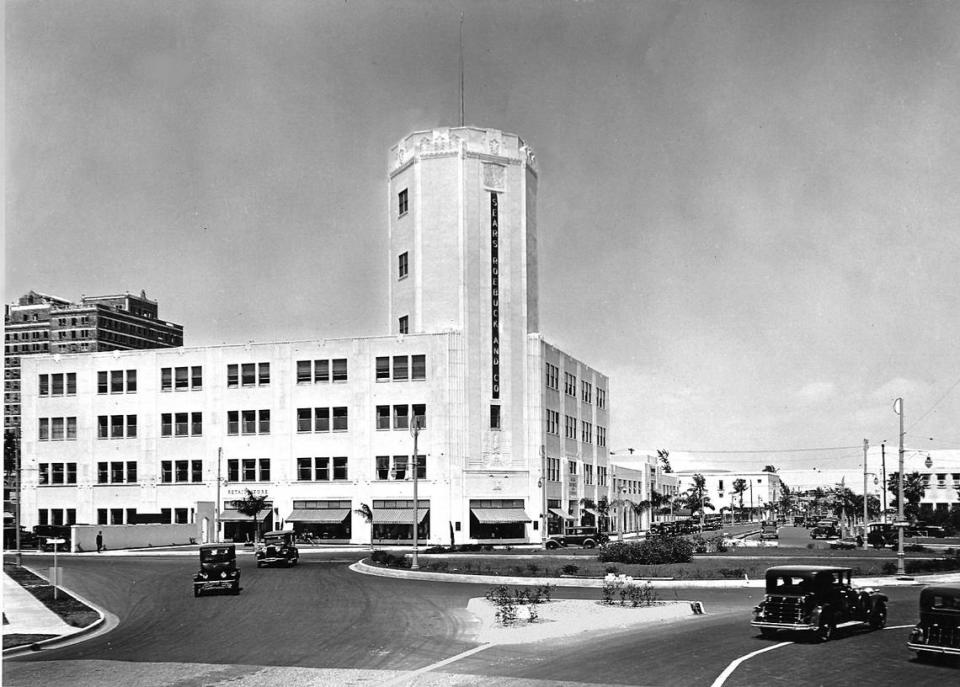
<point>27,616</point>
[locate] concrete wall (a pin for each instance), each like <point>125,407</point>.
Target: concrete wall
<point>133,536</point>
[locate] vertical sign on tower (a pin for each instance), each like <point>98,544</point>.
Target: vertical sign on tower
<point>495,292</point>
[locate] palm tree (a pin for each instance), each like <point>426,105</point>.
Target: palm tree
<point>697,499</point>
<point>739,487</point>
<point>366,513</point>
<point>654,504</point>
<point>914,487</point>
<point>251,505</point>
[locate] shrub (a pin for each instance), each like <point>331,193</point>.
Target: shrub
<point>533,569</point>
<point>570,569</point>
<point>625,587</point>
<point>505,602</point>
<point>731,573</point>
<point>656,551</point>
<point>611,570</point>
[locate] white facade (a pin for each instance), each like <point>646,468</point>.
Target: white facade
<point>513,426</point>
<point>761,493</point>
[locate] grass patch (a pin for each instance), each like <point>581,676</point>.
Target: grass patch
<point>72,611</point>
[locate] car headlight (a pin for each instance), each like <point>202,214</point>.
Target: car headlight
<point>223,575</point>
<point>203,575</point>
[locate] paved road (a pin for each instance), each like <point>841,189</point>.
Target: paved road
<point>320,615</point>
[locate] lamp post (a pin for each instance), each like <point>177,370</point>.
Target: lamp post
<point>901,570</point>
<point>216,505</point>
<point>415,431</point>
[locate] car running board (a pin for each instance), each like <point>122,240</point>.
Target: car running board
<point>849,623</point>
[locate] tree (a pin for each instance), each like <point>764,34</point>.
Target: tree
<point>697,500</point>
<point>785,501</point>
<point>914,487</point>
<point>739,487</point>
<point>365,512</point>
<point>664,456</point>
<point>769,468</point>
<point>654,504</point>
<point>251,506</point>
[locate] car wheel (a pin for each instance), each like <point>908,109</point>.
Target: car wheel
<point>588,544</point>
<point>878,618</point>
<point>552,545</point>
<point>196,591</point>
<point>235,589</point>
<point>825,630</point>
<point>259,564</point>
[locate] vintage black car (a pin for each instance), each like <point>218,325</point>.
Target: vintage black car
<point>587,537</point>
<point>818,600</point>
<point>769,530</point>
<point>825,529</point>
<point>938,631</point>
<point>218,569</point>
<point>278,548</point>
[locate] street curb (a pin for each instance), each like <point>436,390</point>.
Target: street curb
<point>96,625</point>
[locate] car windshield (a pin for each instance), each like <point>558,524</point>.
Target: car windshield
<point>789,584</point>
<point>220,555</point>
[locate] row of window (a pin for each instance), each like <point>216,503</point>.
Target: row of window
<point>238,375</point>
<point>552,375</point>
<point>400,416</point>
<point>553,471</point>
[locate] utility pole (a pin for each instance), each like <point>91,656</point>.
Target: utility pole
<point>216,506</point>
<point>415,430</point>
<point>543,498</point>
<point>901,570</point>
<point>866,445</point>
<point>883,471</point>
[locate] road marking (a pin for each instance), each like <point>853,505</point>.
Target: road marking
<point>426,669</point>
<point>735,664</point>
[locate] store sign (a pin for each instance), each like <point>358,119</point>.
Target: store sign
<point>495,291</point>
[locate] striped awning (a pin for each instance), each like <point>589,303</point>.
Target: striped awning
<point>397,516</point>
<point>495,515</point>
<point>560,513</point>
<point>319,515</point>
<point>237,516</point>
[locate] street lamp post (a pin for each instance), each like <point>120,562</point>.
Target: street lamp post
<point>216,506</point>
<point>901,570</point>
<point>415,431</point>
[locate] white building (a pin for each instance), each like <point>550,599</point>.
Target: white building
<point>761,491</point>
<point>514,431</point>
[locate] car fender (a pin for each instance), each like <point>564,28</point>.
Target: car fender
<point>819,612</point>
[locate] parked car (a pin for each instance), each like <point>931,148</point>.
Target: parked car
<point>881,535</point>
<point>278,547</point>
<point>818,600</point>
<point>921,529</point>
<point>44,533</point>
<point>938,631</point>
<point>587,537</point>
<point>825,529</point>
<point>218,569</point>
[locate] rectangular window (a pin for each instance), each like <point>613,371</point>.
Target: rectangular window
<point>233,376</point>
<point>402,265</point>
<point>586,392</point>
<point>71,473</point>
<point>103,427</point>
<point>196,377</point>
<point>403,325</point>
<point>304,416</point>
<point>402,204</point>
<point>131,471</point>
<point>166,378</point>
<point>116,516</point>
<point>249,419</point>
<point>56,429</point>
<point>102,384</point>
<point>249,469</point>
<point>56,384</point>
<point>601,398</point>
<point>131,381</point>
<point>421,463</point>
<point>339,369</point>
<point>383,417</point>
<point>103,473</point>
<point>399,367</point>
<point>57,473</point>
<point>180,516</point>
<point>116,472</point>
<point>44,431</point>
<point>304,371</point>
<point>116,381</point>
<point>247,374</point>
<point>383,467</point>
<point>420,415</point>
<point>321,370</point>
<point>418,367</point>
<point>263,374</point>
<point>264,469</point>
<point>572,466</point>
<point>166,424</point>
<point>233,422</point>
<point>401,418</point>
<point>131,426</point>
<point>340,419</point>
<point>45,385</point>
<point>180,424</point>
<point>196,470</point>
<point>340,467</point>
<point>321,419</point>
<point>322,469</point>
<point>569,384</point>
<point>233,470</point>
<point>166,471</point>
<point>304,469</point>
<point>265,421</point>
<point>383,368</point>
<point>181,379</point>
<point>196,424</point>
<point>181,473</point>
<point>494,416</point>
<point>101,516</point>
<point>399,467</point>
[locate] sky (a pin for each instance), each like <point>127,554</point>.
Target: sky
<point>748,211</point>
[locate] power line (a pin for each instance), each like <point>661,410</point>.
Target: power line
<point>770,450</point>
<point>931,409</point>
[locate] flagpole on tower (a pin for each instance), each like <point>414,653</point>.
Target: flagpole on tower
<point>461,68</point>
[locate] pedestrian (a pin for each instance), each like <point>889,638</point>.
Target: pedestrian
<point>99,541</point>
